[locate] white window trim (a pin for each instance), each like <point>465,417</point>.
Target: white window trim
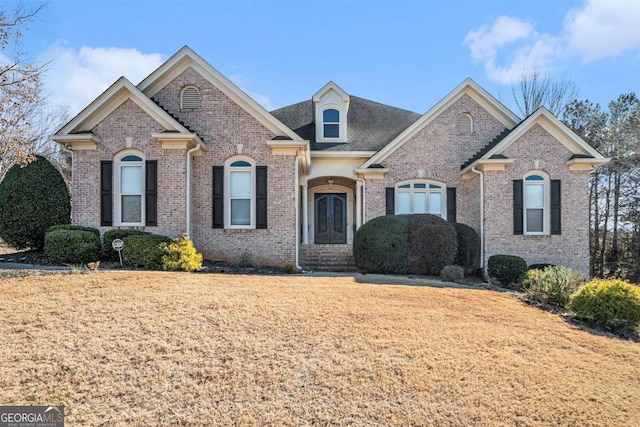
<point>117,186</point>
<point>227,191</point>
<point>342,124</point>
<point>546,208</point>
<point>442,191</point>
<point>182,107</point>
<point>471,125</point>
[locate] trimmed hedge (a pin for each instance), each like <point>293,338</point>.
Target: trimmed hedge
<point>73,227</point>
<point>32,199</point>
<point>72,246</point>
<point>144,250</point>
<point>381,245</point>
<point>612,304</point>
<point>112,235</point>
<point>180,255</point>
<point>468,255</point>
<point>507,268</point>
<point>432,244</point>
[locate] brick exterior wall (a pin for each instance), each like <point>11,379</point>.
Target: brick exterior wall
<point>571,247</point>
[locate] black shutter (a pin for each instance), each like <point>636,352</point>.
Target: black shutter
<point>518,207</point>
<point>261,197</point>
<point>556,211</point>
<point>106,192</point>
<point>151,192</point>
<point>451,204</point>
<point>218,197</point>
<point>391,200</point>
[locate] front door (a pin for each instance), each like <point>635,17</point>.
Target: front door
<point>330,218</point>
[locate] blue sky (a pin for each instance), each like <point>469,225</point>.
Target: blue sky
<point>404,53</point>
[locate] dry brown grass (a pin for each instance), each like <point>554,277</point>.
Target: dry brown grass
<point>127,348</point>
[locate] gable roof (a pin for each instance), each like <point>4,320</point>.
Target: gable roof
<point>111,99</point>
<point>186,58</point>
<point>582,151</point>
<point>467,87</point>
<point>371,125</point>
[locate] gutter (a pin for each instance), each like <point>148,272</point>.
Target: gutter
<point>474,170</point>
<point>188,189</point>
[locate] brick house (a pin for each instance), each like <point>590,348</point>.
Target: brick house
<point>187,150</point>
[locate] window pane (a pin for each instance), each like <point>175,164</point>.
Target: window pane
<point>240,163</point>
<point>419,202</point>
<point>405,186</point>
<point>131,158</point>
<point>240,184</point>
<point>241,212</point>
<point>418,185</point>
<point>534,178</point>
<point>131,208</point>
<point>534,196</point>
<point>435,203</point>
<point>402,204</point>
<point>534,220</point>
<point>331,116</point>
<point>331,131</point>
<point>131,179</point>
<point>434,186</point>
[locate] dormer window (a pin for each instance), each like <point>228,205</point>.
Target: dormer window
<point>331,123</point>
<point>190,98</point>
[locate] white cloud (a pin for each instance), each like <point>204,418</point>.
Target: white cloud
<point>77,77</point>
<point>511,46</point>
<point>603,28</point>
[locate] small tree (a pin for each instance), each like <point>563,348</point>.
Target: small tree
<point>32,199</point>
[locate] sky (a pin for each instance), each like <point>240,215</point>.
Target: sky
<point>408,54</point>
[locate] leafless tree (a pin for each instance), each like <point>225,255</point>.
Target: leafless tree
<point>535,90</point>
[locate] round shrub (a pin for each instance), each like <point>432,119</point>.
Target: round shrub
<point>114,234</point>
<point>555,283</point>
<point>613,304</point>
<point>180,255</point>
<point>507,268</point>
<point>72,246</point>
<point>432,244</point>
<point>73,227</point>
<point>468,255</point>
<point>452,273</point>
<point>144,250</point>
<point>32,199</point>
<point>380,245</point>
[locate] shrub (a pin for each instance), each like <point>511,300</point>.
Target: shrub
<point>73,227</point>
<point>540,266</point>
<point>144,250</point>
<point>114,234</point>
<point>289,268</point>
<point>506,268</point>
<point>612,304</point>
<point>555,283</point>
<point>32,199</point>
<point>468,255</point>
<point>452,273</point>
<point>380,245</point>
<point>432,244</point>
<point>72,246</point>
<point>180,255</point>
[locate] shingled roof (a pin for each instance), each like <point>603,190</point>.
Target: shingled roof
<point>370,125</point>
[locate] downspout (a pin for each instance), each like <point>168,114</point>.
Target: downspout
<point>362,200</point>
<point>474,170</point>
<point>188,189</point>
<point>297,184</point>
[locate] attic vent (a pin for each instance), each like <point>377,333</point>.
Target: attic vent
<point>464,124</point>
<point>190,98</point>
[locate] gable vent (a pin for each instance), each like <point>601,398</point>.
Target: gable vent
<point>464,124</point>
<point>190,98</point>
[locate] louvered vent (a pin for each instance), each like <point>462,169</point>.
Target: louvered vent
<point>464,124</point>
<point>190,98</point>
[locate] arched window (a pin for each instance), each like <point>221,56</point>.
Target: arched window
<point>536,203</point>
<point>130,188</point>
<point>190,98</point>
<point>420,197</point>
<point>331,123</point>
<point>464,124</point>
<point>240,193</point>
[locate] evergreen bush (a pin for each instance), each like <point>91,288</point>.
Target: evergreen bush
<point>468,255</point>
<point>507,269</point>
<point>72,246</point>
<point>180,255</point>
<point>380,245</point>
<point>144,250</point>
<point>73,227</point>
<point>32,199</point>
<point>555,283</point>
<point>612,304</point>
<point>114,234</point>
<point>432,244</point>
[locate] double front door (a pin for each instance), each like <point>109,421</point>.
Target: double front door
<point>330,218</point>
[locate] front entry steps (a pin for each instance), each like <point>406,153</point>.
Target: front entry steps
<point>327,258</point>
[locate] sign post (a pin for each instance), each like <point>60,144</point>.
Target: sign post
<point>117,245</point>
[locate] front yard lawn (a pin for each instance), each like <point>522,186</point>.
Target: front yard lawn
<point>146,348</point>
